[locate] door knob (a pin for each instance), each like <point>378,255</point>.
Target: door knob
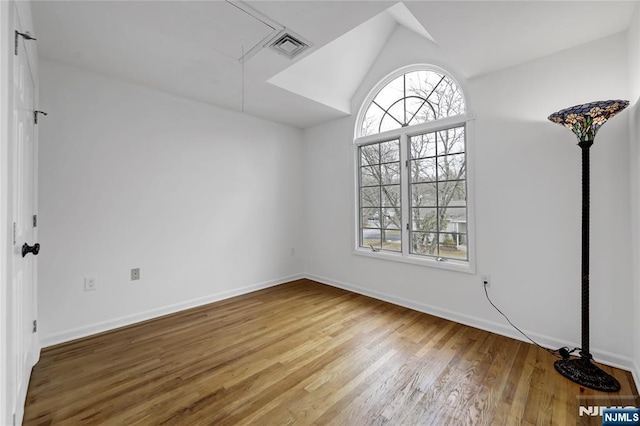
<point>26,248</point>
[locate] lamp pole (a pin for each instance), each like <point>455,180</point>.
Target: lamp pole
<point>586,198</point>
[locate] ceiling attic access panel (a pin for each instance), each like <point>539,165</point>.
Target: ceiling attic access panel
<point>229,28</point>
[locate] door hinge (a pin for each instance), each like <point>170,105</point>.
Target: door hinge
<point>14,232</point>
<point>35,116</point>
<point>35,326</point>
<point>35,220</point>
<point>24,35</point>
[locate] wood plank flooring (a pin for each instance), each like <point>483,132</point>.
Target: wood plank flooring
<point>302,353</point>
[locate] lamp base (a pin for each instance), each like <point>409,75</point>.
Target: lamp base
<point>583,372</point>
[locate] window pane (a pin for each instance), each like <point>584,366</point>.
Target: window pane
<point>416,81</point>
<point>390,151</point>
<point>452,194</point>
<point>370,196</point>
<point>391,218</point>
<point>370,217</point>
<point>388,123</point>
<point>423,170</point>
<point>391,195</point>
<point>370,175</point>
<point>452,167</point>
<point>423,146</point>
<point>451,141</point>
<point>424,220</point>
<point>390,173</point>
<point>449,99</point>
<point>397,111</point>
<point>424,84</point>
<point>423,194</point>
<point>426,113</point>
<point>453,246</point>
<point>456,218</point>
<point>370,237</point>
<point>391,240</point>
<point>371,120</point>
<point>370,155</point>
<point>413,105</point>
<point>424,243</point>
<point>390,93</point>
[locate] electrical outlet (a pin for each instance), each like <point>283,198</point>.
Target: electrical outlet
<point>486,280</point>
<point>135,274</point>
<point>90,284</point>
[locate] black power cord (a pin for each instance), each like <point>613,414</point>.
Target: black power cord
<point>562,353</point>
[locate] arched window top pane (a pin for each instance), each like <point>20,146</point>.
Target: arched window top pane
<point>413,98</point>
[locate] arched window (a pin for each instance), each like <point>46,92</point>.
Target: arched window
<point>412,170</point>
<point>413,98</point>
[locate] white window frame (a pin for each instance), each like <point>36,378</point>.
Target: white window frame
<point>403,134</point>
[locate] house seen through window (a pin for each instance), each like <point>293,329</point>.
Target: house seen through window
<point>412,168</point>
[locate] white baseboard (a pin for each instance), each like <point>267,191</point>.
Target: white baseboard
<point>600,356</point>
<point>635,372</point>
<point>89,330</point>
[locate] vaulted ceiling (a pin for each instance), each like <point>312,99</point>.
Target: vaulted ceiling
<point>214,51</point>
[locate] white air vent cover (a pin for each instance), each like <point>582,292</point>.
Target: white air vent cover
<point>288,44</point>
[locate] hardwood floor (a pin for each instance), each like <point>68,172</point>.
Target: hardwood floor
<point>302,353</point>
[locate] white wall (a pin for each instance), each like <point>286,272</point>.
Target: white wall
<point>207,202</point>
<point>527,183</point>
<point>634,147</point>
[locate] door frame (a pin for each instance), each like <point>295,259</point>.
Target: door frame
<point>7,24</point>
<point>5,261</point>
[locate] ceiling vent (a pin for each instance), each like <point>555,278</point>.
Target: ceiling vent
<point>288,44</point>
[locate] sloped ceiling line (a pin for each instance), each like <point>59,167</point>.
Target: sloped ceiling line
<point>331,74</point>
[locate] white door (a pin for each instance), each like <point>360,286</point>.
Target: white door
<point>22,352</point>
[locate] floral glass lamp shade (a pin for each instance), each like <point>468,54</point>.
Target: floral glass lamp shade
<point>585,121</point>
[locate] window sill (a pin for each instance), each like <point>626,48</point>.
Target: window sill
<point>449,264</point>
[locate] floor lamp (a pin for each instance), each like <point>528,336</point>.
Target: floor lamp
<point>584,121</point>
